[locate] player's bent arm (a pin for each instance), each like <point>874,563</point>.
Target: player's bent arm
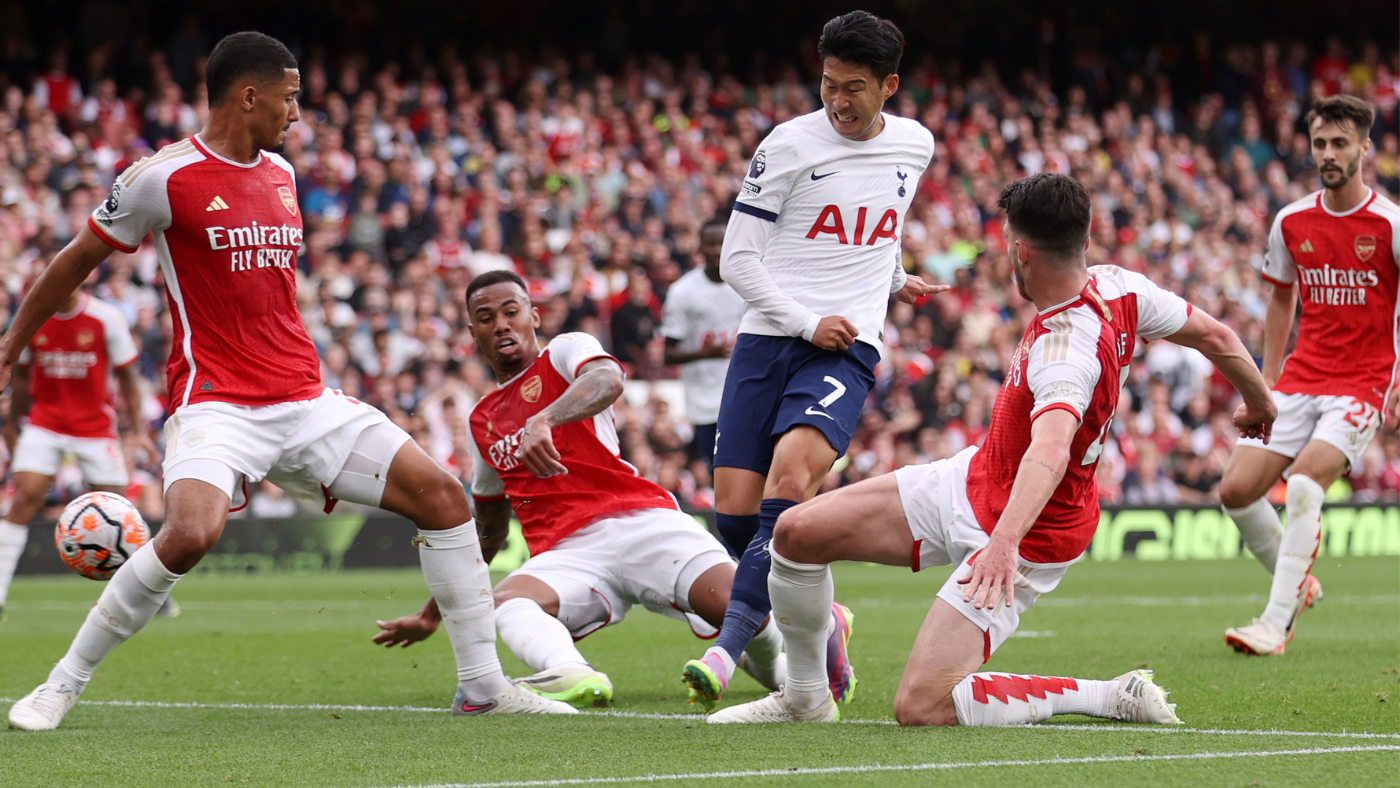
<point>741,265</point>
<point>58,281</point>
<point>1224,349</point>
<point>597,386</point>
<point>1278,324</point>
<point>492,525</point>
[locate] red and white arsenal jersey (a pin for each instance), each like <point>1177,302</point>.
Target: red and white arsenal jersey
<point>1345,267</point>
<point>1075,357</point>
<point>227,236</point>
<point>70,358</point>
<point>598,481</point>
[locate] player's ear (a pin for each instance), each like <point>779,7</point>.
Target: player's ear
<point>247,95</point>
<point>535,316</point>
<point>891,85</point>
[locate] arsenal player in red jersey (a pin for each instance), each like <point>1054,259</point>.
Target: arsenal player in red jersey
<point>1012,515</point>
<point>602,538</point>
<point>246,397</point>
<point>60,384</point>
<point>1337,251</point>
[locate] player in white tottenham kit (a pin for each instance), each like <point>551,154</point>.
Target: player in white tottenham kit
<point>813,246</point>
<point>244,380</point>
<point>1012,515</point>
<point>700,322</point>
<point>1337,249</point>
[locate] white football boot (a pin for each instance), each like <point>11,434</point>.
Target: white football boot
<point>1138,699</point>
<point>773,675</point>
<point>579,687</point>
<point>775,708</point>
<point>45,707</point>
<point>511,700</point>
<point>1261,637</point>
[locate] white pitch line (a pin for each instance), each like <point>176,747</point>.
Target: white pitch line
<point>915,767</point>
<point>1050,600</point>
<point>642,715</point>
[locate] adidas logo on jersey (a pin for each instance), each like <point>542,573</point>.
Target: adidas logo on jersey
<point>218,204</point>
<point>1306,246</point>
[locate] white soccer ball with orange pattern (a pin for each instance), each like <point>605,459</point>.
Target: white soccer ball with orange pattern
<point>98,532</point>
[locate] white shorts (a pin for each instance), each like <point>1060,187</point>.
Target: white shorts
<point>1344,422</point>
<point>946,532</point>
<point>41,451</point>
<point>302,447</point>
<point>647,557</point>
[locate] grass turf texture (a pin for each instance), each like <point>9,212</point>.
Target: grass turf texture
<point>298,640</point>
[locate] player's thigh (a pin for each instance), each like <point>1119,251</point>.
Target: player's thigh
<point>827,392</point>
<point>195,513</point>
<point>1345,427</point>
<point>585,593</point>
<point>101,462</point>
<point>862,522</point>
<point>225,445</point>
<point>518,586</point>
<point>801,458</point>
<point>947,650</point>
<point>1322,462</point>
<point>424,492</point>
<point>30,490</point>
<point>1249,474</point>
<point>753,388</point>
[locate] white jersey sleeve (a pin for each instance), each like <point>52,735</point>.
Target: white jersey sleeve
<point>121,349</point>
<point>741,265</point>
<point>676,320</point>
<point>772,172</point>
<point>1279,267</point>
<point>135,206</point>
<point>1161,313</point>
<point>486,483</point>
<point>568,352</point>
<point>1063,366</point>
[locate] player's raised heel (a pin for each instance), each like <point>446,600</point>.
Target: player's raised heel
<point>776,708</point>
<point>511,700</point>
<point>579,687</point>
<point>45,707</point>
<point>706,686</point>
<point>841,676</point>
<point>1260,637</point>
<point>1139,699</point>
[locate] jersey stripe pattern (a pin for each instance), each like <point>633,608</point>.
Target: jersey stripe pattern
<point>1073,357</point>
<point>599,482</point>
<point>230,274</point>
<point>1345,267</point>
<point>70,358</point>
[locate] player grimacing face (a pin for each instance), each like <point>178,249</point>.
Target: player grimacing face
<point>503,325</point>
<point>853,98</point>
<point>1338,151</point>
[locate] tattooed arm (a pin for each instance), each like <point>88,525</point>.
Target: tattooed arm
<point>598,385</point>
<point>1040,472</point>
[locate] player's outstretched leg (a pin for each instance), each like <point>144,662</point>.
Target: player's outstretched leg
<point>195,515</point>
<point>527,620</point>
<point>1249,475</point>
<point>418,488</point>
<point>29,493</point>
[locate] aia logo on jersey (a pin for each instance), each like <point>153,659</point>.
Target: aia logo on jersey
<point>289,200</point>
<point>1365,247</point>
<point>830,221</point>
<point>530,389</point>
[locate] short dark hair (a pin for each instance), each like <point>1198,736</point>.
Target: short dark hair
<point>241,55</point>
<point>864,39</point>
<point>1051,210</point>
<point>497,277</point>
<point>1344,110</point>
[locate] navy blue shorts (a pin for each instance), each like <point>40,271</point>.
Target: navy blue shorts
<point>776,383</point>
<point>705,443</point>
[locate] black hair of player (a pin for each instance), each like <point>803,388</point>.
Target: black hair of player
<point>242,55</point>
<point>1051,210</point>
<point>864,39</point>
<point>495,278</point>
<point>1346,111</point>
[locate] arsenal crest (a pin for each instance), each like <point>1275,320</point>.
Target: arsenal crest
<point>530,390</point>
<point>1365,247</point>
<point>85,338</point>
<point>289,200</point>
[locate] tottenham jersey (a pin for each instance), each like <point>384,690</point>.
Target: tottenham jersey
<point>699,309</point>
<point>838,211</point>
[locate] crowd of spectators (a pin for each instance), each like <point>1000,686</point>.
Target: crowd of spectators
<point>593,185</point>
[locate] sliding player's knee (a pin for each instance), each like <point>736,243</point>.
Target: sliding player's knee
<point>796,536</point>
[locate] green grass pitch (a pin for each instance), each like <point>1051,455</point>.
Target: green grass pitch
<point>280,686</point>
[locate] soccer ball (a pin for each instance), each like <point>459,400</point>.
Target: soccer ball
<point>98,532</point>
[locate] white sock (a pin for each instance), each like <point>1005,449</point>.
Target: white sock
<point>540,640</point>
<point>802,596</point>
<point>726,663</point>
<point>131,598</point>
<point>1297,550</point>
<point>993,699</point>
<point>461,583</point>
<point>13,537</point>
<point>1261,530</point>
<point>765,652</point>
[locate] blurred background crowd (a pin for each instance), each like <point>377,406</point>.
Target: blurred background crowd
<point>589,164</point>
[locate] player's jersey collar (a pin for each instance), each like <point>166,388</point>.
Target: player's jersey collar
<point>204,148</point>
<point>517,375</point>
<point>1322,203</point>
<point>1060,306</point>
<point>77,310</point>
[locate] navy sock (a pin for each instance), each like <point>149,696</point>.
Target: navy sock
<point>736,531</point>
<point>748,600</point>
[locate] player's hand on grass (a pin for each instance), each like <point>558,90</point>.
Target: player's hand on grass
<point>405,631</point>
<point>834,333</point>
<point>915,288</point>
<point>537,452</point>
<point>1257,421</point>
<point>993,576</point>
